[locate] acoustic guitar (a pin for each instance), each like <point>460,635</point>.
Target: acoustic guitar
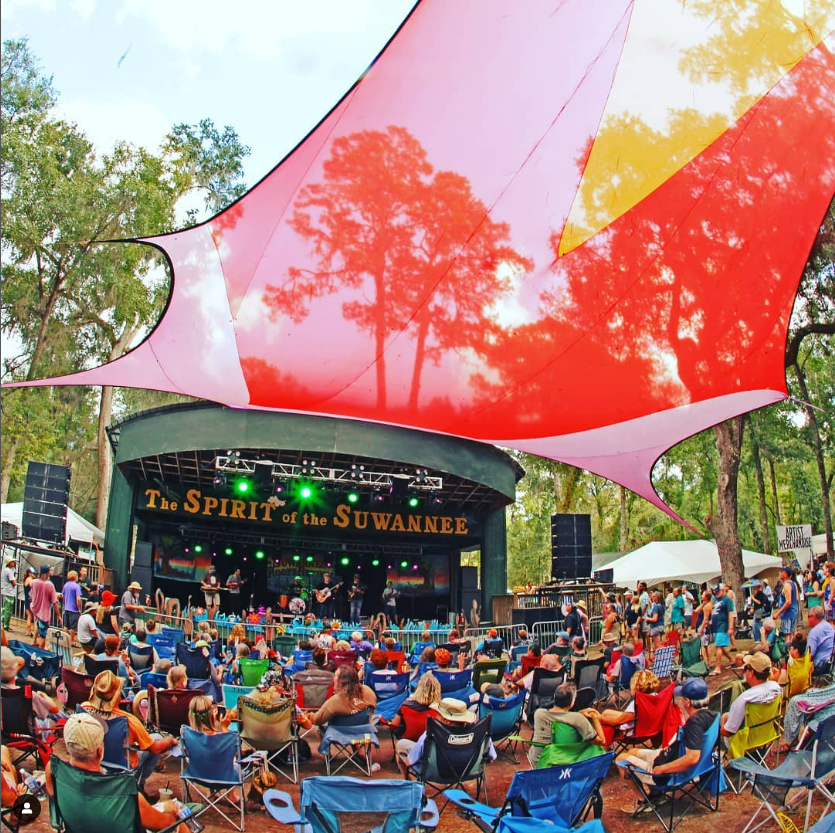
<point>323,595</point>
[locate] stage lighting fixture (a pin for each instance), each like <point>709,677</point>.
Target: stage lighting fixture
<point>259,554</point>
<point>413,501</point>
<point>437,500</point>
<point>280,487</point>
<point>345,561</point>
<point>297,558</point>
<point>414,566</point>
<point>243,486</point>
<point>219,480</point>
<point>186,549</point>
<point>421,475</point>
<point>353,496</point>
<point>198,548</point>
<point>306,492</point>
<point>404,564</point>
<point>309,559</point>
<point>357,471</point>
<point>228,551</point>
<point>307,467</point>
<point>378,496</point>
<point>375,562</point>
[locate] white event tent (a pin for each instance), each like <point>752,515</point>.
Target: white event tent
<point>691,561</point>
<point>78,528</point>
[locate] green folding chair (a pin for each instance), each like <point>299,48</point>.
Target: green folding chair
<point>488,671</point>
<point>252,670</point>
<point>692,664</point>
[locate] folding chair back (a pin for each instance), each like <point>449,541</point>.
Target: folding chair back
<point>799,672</point>
<point>557,794</point>
<point>423,667</point>
<point>147,678</point>
<point>175,635</point>
<point>93,667</point>
<point>39,664</point>
<point>231,693</point>
<point>656,716</point>
<point>529,663</point>
<point>414,721</point>
<point>759,730</point>
<point>252,670</point>
<point>543,685</point>
<point>360,718</point>
<point>266,727</point>
<point>454,649</point>
<point>140,658</point>
<point>493,648</point>
<point>168,708</point>
<point>662,665</point>
<point>386,685</point>
<point>584,699</point>
<point>340,658</point>
<point>115,741</point>
<point>16,709</point>
<point>395,659</point>
<point>691,658</point>
<point>166,648</point>
<point>454,680</point>
<point>311,692</point>
<point>329,804</point>
<point>517,652</point>
<point>83,799</point>
<point>78,687</point>
<point>566,747</point>
<point>301,659</point>
<point>488,671</point>
<point>285,645</point>
<point>673,640</point>
<point>195,662</point>
<point>506,714</point>
<point>455,754</point>
<point>588,671</point>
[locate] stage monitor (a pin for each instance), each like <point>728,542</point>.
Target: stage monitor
<point>570,546</point>
<point>46,494</point>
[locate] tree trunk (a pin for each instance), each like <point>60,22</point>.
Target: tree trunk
<point>774,491</point>
<point>573,475</point>
<point>420,355</point>
<point>8,463</point>
<point>819,459</point>
<point>723,524</point>
<point>758,469</point>
<point>624,521</point>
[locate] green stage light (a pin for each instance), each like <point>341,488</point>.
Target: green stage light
<point>353,497</point>
<point>297,558</point>
<point>228,551</point>
<point>259,554</point>
<point>375,562</point>
<point>345,561</point>
<point>413,501</point>
<point>198,548</point>
<point>305,492</point>
<point>309,559</point>
<point>404,564</point>
<point>243,486</point>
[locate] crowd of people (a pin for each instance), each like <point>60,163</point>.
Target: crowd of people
<point>342,674</point>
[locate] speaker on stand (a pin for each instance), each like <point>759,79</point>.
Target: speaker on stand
<point>570,546</point>
<point>46,494</point>
<point>143,560</point>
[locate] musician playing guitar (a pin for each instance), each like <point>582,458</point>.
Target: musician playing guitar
<point>210,585</point>
<point>233,585</point>
<point>390,595</point>
<point>325,596</point>
<point>355,594</point>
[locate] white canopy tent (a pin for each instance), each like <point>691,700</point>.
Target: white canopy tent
<point>78,528</point>
<point>691,561</point>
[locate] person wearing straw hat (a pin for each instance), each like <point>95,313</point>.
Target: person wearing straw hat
<point>88,633</point>
<point>8,583</point>
<point>130,604</point>
<point>84,740</point>
<point>104,703</point>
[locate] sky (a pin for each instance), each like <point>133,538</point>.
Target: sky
<point>130,69</point>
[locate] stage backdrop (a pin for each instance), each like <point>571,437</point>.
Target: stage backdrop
<point>430,578</point>
<point>171,560</point>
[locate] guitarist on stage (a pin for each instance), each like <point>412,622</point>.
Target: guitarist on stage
<point>210,585</point>
<point>355,593</point>
<point>233,585</point>
<point>325,597</point>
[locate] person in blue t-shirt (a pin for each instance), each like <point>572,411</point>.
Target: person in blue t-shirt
<point>789,606</point>
<point>677,613</point>
<point>722,620</point>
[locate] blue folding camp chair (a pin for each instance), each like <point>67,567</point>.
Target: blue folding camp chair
<point>300,661</point>
<point>39,665</point>
<point>194,661</point>
<point>456,684</point>
<point>506,722</point>
<point>165,647</point>
<point>141,658</point>
<point>806,770</point>
<point>115,757</point>
<point>348,740</point>
<point>700,784</point>
<point>327,805</point>
<point>621,689</point>
<point>423,667</point>
<point>562,796</point>
<point>152,678</point>
<point>212,767</point>
<point>176,635</point>
<point>391,691</point>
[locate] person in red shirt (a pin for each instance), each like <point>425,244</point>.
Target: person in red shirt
<point>43,600</point>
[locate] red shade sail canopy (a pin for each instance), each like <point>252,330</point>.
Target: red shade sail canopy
<point>574,228</point>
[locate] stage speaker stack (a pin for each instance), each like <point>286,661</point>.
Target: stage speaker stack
<point>605,575</point>
<point>46,494</point>
<point>143,558</point>
<point>570,546</point>
<point>469,589</point>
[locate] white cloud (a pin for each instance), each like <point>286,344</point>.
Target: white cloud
<point>10,8</point>
<point>84,8</point>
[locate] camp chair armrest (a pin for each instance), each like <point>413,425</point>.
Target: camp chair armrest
<point>632,768</point>
<point>470,806</point>
<point>279,805</point>
<point>429,816</point>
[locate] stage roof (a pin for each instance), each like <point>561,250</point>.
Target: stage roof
<point>570,228</point>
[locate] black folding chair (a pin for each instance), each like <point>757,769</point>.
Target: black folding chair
<point>543,686</point>
<point>93,667</point>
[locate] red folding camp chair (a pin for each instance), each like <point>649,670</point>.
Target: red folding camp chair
<point>77,688</point>
<point>168,707</point>
<point>657,719</point>
<point>340,658</point>
<point>396,659</point>
<point>529,663</point>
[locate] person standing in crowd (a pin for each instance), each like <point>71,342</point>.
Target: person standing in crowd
<point>8,590</point>
<point>655,619</point>
<point>821,640</point>
<point>84,584</point>
<point>677,610</point>
<point>632,617</point>
<point>645,601</point>
<point>703,613</point>
<point>790,605</point>
<point>71,596</point>
<point>233,585</point>
<point>355,596</point>
<point>390,595</point>
<point>88,633</point>
<point>44,601</point>
<point>27,600</point>
<point>828,591</point>
<point>723,617</point>
<point>689,602</point>
<point>130,604</point>
<point>762,608</point>
<point>811,589</point>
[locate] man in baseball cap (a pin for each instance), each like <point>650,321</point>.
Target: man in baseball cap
<point>7,589</point>
<point>761,689</point>
<point>84,739</point>
<point>655,765</point>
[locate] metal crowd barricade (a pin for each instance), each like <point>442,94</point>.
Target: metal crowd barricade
<point>545,633</point>
<point>507,633</point>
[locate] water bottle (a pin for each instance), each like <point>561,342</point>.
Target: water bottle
<point>184,814</point>
<point>33,784</point>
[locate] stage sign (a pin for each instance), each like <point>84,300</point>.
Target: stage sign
<point>280,513</point>
<point>796,539</point>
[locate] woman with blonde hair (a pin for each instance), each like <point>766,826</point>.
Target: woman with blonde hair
<point>427,693</point>
<point>644,682</point>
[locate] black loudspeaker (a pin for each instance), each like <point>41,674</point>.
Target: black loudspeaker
<point>469,578</point>
<point>605,576</point>
<point>9,531</point>
<point>570,546</point>
<point>467,597</point>
<point>143,554</point>
<point>143,576</point>
<point>46,494</point>
<point>529,616</point>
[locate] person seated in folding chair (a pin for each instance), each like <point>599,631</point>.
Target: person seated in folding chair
<point>203,717</point>
<point>359,643</point>
<point>84,740</point>
<point>10,784</point>
<point>176,678</point>
<point>427,693</point>
<point>584,738</point>
<point>759,688</point>
<point>796,677</point>
<point>349,697</point>
<point>610,719</point>
<point>139,641</point>
<point>549,662</point>
<point>692,698</point>
<point>104,704</point>
<point>44,707</point>
<point>814,704</point>
<point>765,644</point>
<point>639,662</point>
<point>450,712</point>
<point>378,663</point>
<point>112,652</point>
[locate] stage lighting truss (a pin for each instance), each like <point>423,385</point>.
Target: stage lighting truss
<point>308,468</point>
